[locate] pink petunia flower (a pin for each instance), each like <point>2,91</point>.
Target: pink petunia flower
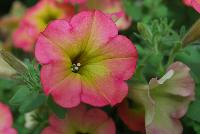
<point>85,60</point>
<point>193,3</point>
<point>36,19</point>
<point>80,120</point>
<point>6,120</point>
<point>24,37</point>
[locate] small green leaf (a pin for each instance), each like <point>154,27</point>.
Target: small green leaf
<point>144,31</point>
<point>132,9</point>
<point>194,110</point>
<point>7,83</point>
<point>20,96</point>
<point>32,103</point>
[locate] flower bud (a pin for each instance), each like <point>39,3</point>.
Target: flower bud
<point>13,62</point>
<point>193,34</point>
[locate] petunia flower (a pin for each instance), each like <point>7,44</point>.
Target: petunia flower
<point>164,101</point>
<point>109,7</point>
<point>36,19</point>
<point>80,120</point>
<point>9,23</point>
<point>85,60</point>
<point>193,3</point>
<point>24,37</point>
<point>6,120</point>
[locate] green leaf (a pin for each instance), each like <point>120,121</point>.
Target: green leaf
<point>32,103</point>
<point>190,56</point>
<point>132,10</point>
<point>161,11</point>
<point>59,111</point>
<point>7,83</point>
<point>194,111</point>
<point>20,96</point>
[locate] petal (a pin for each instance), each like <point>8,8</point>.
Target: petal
<point>50,52</point>
<point>8,131</point>
<point>25,36</point>
<point>133,117</point>
<point>120,57</point>
<point>61,34</point>
<point>187,2</point>
<point>68,91</point>
<point>94,28</point>
<point>5,117</point>
<point>58,126</point>
<point>56,123</point>
<point>140,95</point>
<point>49,130</point>
<point>76,115</point>
<point>99,88</point>
<point>196,5</point>
<point>60,71</point>
<point>91,120</point>
<point>108,127</point>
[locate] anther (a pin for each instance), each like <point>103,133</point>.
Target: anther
<point>78,64</point>
<point>75,67</point>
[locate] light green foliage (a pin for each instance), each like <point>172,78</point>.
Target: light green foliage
<point>158,47</point>
<point>145,10</point>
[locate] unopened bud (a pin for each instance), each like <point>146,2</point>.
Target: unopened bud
<point>15,63</point>
<point>193,34</point>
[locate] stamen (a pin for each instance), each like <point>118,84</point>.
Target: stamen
<point>75,67</point>
<point>78,64</point>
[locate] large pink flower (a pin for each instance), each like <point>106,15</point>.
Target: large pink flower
<point>193,3</point>
<point>6,120</point>
<point>80,120</point>
<point>85,60</point>
<point>36,19</point>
